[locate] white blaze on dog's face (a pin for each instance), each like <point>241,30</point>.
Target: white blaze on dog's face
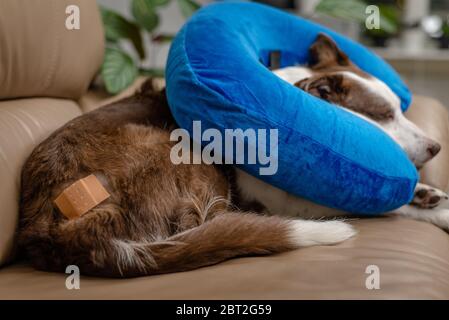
<point>333,77</point>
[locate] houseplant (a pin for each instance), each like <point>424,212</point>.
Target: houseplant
<point>121,67</point>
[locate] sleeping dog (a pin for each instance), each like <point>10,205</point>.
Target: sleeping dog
<point>161,217</point>
<point>331,76</point>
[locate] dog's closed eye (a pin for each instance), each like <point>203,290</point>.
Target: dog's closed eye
<point>324,91</point>
<point>324,86</point>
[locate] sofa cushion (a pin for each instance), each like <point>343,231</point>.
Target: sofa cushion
<point>23,124</point>
<point>40,56</point>
<point>410,267</point>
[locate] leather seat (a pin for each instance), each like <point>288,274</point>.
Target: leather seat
<point>412,257</point>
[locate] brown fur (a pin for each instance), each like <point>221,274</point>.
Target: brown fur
<point>160,217</point>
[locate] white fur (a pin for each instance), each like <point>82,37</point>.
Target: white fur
<point>293,74</point>
<point>277,201</point>
<point>131,254</point>
<point>436,216</point>
<point>305,233</point>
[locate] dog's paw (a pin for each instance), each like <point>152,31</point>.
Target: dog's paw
<point>306,233</point>
<point>428,197</point>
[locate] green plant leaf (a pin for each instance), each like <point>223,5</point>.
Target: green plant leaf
<point>118,70</point>
<point>117,27</point>
<point>160,3</point>
<point>188,7</point>
<point>445,29</point>
<point>145,14</point>
<point>389,18</point>
<point>353,10</point>
<point>160,73</point>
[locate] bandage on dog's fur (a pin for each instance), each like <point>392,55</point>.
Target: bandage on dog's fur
<point>81,196</point>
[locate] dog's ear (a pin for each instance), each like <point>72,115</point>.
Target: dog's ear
<point>324,52</point>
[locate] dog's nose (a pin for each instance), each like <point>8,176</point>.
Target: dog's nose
<point>434,148</point>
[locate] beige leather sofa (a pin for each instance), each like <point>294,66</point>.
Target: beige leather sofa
<point>45,71</point>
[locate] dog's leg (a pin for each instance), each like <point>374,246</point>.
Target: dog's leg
<point>437,216</point>
<point>428,197</point>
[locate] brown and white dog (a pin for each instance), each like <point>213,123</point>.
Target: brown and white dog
<point>163,217</point>
<point>331,76</point>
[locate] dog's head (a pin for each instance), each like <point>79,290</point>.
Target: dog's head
<point>336,79</point>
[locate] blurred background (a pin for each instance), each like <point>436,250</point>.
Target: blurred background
<point>413,34</point>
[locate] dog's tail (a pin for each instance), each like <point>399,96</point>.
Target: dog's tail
<point>228,235</point>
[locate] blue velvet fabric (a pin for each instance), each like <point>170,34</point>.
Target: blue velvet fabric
<point>326,154</point>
